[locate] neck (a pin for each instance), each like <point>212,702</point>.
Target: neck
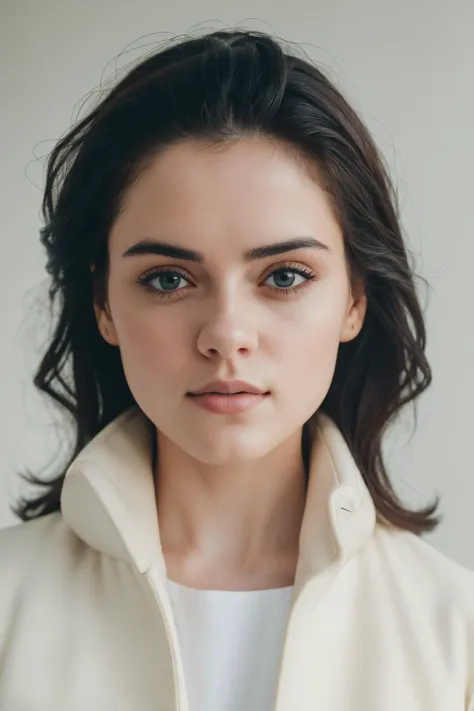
<point>233,527</point>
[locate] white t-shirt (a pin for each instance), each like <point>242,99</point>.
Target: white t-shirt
<point>231,645</point>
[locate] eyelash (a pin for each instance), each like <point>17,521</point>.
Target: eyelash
<point>145,279</point>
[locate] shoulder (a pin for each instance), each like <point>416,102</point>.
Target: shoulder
<point>22,542</point>
<point>23,530</point>
<point>416,563</point>
<point>30,550</point>
<point>432,594</point>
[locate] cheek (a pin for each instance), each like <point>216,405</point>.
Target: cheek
<point>321,341</point>
<point>152,347</point>
<point>308,350</point>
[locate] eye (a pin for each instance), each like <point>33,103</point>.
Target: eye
<point>287,273</point>
<point>166,278</point>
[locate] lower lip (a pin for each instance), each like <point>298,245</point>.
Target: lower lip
<point>228,404</point>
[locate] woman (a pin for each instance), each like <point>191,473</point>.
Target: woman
<point>238,326</point>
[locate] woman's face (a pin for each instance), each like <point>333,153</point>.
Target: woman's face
<point>228,316</point>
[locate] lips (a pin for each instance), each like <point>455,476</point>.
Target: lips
<point>229,403</point>
<point>228,387</point>
<point>215,392</point>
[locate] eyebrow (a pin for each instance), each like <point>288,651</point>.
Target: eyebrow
<point>149,246</point>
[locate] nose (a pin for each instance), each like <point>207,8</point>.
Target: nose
<point>228,336</point>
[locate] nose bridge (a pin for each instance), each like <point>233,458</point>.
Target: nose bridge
<point>227,296</point>
<point>229,319</point>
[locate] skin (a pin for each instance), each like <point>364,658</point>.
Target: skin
<point>230,489</point>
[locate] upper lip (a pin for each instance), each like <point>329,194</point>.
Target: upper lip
<point>228,386</point>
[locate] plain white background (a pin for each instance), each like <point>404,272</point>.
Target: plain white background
<point>405,66</point>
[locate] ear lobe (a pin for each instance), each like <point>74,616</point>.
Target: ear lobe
<point>354,319</point>
<point>106,326</point>
<point>348,332</point>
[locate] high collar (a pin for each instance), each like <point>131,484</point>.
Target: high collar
<point>108,497</point>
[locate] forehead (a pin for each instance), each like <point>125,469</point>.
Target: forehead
<point>246,191</point>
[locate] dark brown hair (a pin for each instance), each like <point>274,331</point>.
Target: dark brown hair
<point>217,87</point>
